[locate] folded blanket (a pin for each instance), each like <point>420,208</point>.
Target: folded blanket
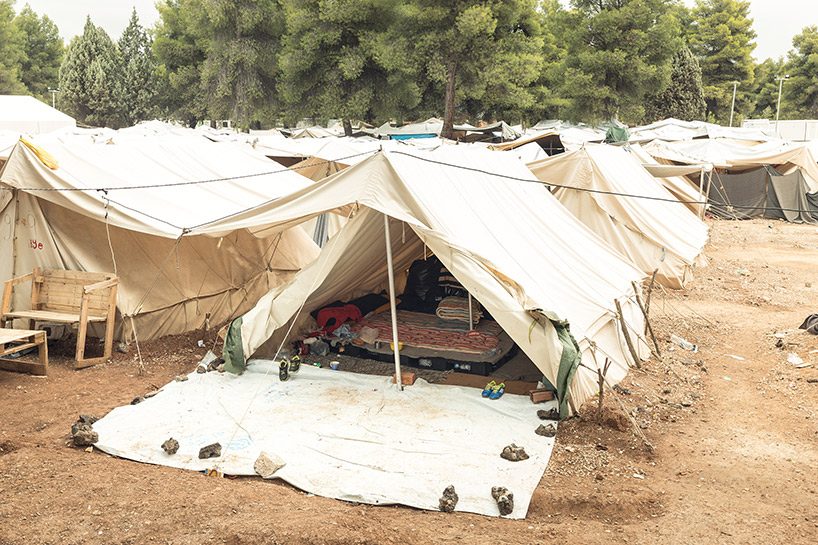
<point>457,308</point>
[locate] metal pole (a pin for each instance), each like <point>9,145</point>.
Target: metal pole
<point>471,318</point>
<point>733,105</point>
<point>701,191</point>
<point>392,305</point>
<point>778,104</point>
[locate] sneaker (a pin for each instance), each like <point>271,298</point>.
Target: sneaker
<point>498,391</point>
<point>489,387</point>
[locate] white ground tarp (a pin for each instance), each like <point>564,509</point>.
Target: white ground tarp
<point>651,232</point>
<point>342,435</point>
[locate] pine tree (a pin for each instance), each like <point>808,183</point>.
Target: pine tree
<point>802,66</point>
<point>619,53</point>
<point>10,51</point>
<point>42,51</point>
<point>476,54</point>
<point>239,73</point>
<point>347,59</point>
<point>765,89</point>
<point>180,50</point>
<point>684,97</point>
<point>139,72</point>
<point>722,38</point>
<point>91,79</point>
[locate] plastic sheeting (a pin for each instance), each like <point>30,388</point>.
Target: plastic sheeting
<point>342,435</point>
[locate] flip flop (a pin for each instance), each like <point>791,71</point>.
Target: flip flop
<point>498,391</point>
<point>489,387</point>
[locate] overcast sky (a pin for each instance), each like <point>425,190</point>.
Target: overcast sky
<point>776,21</point>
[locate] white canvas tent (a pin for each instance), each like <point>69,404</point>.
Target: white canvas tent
<point>508,241</point>
<point>651,232</point>
<point>24,114</point>
<point>137,208</point>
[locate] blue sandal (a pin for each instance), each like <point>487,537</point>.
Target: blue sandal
<point>498,391</point>
<point>488,389</point>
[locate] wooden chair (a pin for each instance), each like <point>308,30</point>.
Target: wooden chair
<point>75,298</point>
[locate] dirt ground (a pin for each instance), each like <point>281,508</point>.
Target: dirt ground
<point>733,429</point>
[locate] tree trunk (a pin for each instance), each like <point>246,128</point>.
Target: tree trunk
<point>347,127</point>
<point>448,112</point>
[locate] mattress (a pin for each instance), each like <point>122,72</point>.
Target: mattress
<point>426,335</point>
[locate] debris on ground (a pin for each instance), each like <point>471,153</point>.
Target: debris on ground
<point>683,343</point>
<point>181,378</point>
<point>150,394</point>
<point>550,414</point>
<point>137,400</point>
<point>513,453</point>
<point>549,430</point>
<point>201,369</point>
<point>448,500</point>
<point>213,450</point>
<point>504,499</point>
<point>797,361</point>
<point>266,465</point>
<point>171,446</point>
<point>82,434</point>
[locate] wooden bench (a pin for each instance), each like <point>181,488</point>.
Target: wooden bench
<point>17,340</point>
<point>75,298</point>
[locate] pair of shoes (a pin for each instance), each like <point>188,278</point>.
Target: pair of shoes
<point>287,366</point>
<point>494,390</point>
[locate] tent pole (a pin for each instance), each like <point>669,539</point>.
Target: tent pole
<point>471,319</point>
<point>701,191</point>
<point>392,305</point>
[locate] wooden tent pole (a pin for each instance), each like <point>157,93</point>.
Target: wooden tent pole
<point>624,326</point>
<point>392,304</point>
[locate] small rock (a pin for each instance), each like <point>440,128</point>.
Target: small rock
<point>151,394</point>
<point>171,446</point>
<point>621,390</point>
<point>550,414</point>
<point>812,380</point>
<point>808,284</point>
<point>83,435</point>
<point>220,368</point>
<point>201,369</point>
<point>210,451</point>
<point>87,419</point>
<point>504,499</point>
<point>137,400</point>
<point>686,402</point>
<point>546,431</point>
<point>181,378</point>
<point>123,348</point>
<point>266,465</point>
<point>213,365</point>
<point>448,500</point>
<point>513,453</point>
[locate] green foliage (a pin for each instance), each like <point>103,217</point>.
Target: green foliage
<point>139,85</point>
<point>480,56</point>
<point>684,97</point>
<point>180,51</point>
<point>10,51</point>
<point>722,38</point>
<point>91,79</point>
<point>41,52</point>
<point>240,71</point>
<point>802,66</point>
<point>765,89</point>
<point>348,59</point>
<point>549,101</point>
<point>619,52</point>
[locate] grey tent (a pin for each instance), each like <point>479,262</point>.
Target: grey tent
<point>763,192</point>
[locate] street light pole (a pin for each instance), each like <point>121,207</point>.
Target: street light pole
<point>53,97</point>
<point>780,80</point>
<point>733,105</point>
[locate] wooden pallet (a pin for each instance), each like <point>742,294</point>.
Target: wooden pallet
<point>13,341</point>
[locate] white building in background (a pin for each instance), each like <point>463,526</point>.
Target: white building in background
<point>800,130</point>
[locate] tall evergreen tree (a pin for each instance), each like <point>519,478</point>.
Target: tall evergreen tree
<point>91,79</point>
<point>10,51</point>
<point>802,67</point>
<point>180,50</point>
<point>42,51</point>
<point>722,38</point>
<point>139,72</point>
<point>483,52</point>
<point>348,59</point>
<point>765,89</point>
<point>240,71</point>
<point>619,53</point>
<point>549,100</point>
<point>684,97</point>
